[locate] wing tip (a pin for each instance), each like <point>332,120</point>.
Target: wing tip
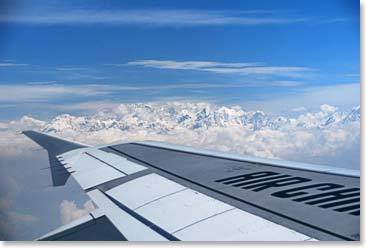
<point>54,146</point>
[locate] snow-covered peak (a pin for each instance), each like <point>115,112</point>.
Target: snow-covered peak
<point>353,116</point>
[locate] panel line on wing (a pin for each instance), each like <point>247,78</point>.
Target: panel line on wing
<point>110,165</point>
<point>143,220</point>
<point>159,198</point>
<point>206,218</point>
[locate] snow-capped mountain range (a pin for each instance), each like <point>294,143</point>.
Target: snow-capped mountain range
<point>164,117</point>
<point>328,136</point>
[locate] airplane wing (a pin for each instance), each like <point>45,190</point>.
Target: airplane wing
<point>151,191</point>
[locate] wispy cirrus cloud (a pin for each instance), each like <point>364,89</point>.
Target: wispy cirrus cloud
<point>80,73</point>
<point>31,92</point>
<point>249,68</point>
<point>11,64</point>
<point>152,17</point>
<point>49,90</point>
<point>188,65</point>
<point>70,68</point>
<point>40,83</point>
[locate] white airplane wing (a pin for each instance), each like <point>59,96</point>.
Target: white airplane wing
<point>149,191</point>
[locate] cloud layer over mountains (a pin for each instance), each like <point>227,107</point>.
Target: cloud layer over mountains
<point>328,136</point>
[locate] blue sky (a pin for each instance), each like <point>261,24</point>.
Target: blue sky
<point>58,55</point>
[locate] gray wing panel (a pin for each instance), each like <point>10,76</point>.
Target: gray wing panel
<point>321,205</point>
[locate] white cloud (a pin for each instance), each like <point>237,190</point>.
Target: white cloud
<point>224,68</point>
<point>151,17</point>
<point>299,109</point>
<point>69,211</point>
<point>328,108</point>
<point>188,65</point>
<point>19,217</point>
<point>13,224</point>
<point>70,68</point>
<point>12,142</point>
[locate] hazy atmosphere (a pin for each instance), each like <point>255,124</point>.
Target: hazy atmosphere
<point>274,79</point>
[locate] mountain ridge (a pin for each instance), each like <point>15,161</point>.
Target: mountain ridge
<point>163,117</point>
